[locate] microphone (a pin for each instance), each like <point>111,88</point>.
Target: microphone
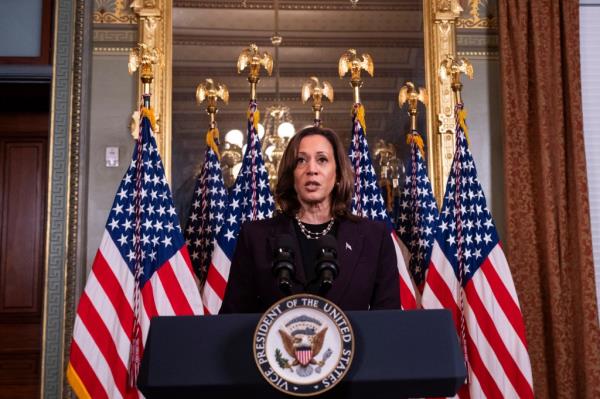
<point>283,262</point>
<point>327,265</point>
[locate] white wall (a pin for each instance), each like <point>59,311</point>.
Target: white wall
<point>590,85</point>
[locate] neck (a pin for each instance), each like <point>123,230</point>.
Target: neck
<point>315,213</point>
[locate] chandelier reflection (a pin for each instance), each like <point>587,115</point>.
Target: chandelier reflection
<point>279,128</point>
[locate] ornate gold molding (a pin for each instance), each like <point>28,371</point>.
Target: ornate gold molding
<point>478,16</point>
<point>155,31</point>
<point>113,12</point>
<point>440,18</point>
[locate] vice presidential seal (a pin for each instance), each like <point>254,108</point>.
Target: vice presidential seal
<point>303,345</point>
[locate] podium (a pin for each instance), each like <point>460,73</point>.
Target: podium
<point>397,354</point>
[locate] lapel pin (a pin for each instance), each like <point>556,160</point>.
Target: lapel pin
<point>348,247</point>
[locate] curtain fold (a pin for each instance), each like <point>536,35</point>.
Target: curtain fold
<point>548,241</point>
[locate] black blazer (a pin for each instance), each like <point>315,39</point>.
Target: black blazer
<point>368,274</point>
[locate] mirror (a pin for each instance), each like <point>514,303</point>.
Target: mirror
<point>208,36</point>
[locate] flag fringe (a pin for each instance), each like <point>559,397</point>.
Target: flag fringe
<point>76,383</point>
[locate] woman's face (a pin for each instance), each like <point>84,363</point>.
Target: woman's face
<point>315,172</point>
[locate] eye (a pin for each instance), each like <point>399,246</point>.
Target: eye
<point>322,159</point>
<point>300,161</point>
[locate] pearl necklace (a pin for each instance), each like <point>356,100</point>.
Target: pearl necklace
<point>312,235</point>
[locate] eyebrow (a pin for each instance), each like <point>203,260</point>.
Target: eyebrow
<point>318,153</point>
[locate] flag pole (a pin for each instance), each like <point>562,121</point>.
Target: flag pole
<point>313,89</point>
<point>212,91</point>
<point>251,57</point>
<point>451,68</point>
<point>199,234</point>
<point>350,62</point>
<point>143,58</point>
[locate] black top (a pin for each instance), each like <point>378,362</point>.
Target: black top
<point>308,247</point>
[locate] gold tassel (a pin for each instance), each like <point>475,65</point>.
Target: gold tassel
<point>360,116</point>
<point>462,120</point>
<point>256,119</point>
<point>211,139</point>
<point>149,113</point>
<point>418,140</point>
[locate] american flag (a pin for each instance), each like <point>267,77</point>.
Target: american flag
<point>469,275</point>
<point>250,199</point>
<point>368,202</point>
<point>207,212</point>
<point>418,213</point>
<point>141,270</point>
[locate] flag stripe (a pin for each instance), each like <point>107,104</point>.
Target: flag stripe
<point>477,367</point>
<point>220,266</point>
<point>440,288</point>
<point>113,259</point>
<point>175,295</point>
<point>182,269</point>
<point>210,299</point>
<point>407,288</point>
<point>86,374</point>
<point>148,298</point>
<point>216,284</point>
<point>97,362</point>
<point>490,330</point>
<point>102,306</point>
<point>485,352</point>
<point>502,293</point>
<point>113,291</point>
<point>504,325</point>
<point>104,341</point>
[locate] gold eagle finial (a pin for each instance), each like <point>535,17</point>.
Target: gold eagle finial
<point>313,88</point>
<point>451,68</point>
<point>409,94</point>
<point>211,91</point>
<point>252,57</point>
<point>349,61</point>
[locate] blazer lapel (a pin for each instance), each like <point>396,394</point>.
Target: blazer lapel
<point>350,243</point>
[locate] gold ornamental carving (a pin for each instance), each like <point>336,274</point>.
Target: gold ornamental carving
<point>155,32</point>
<point>440,18</point>
<point>479,15</point>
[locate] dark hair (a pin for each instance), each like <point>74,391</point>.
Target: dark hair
<point>285,193</point>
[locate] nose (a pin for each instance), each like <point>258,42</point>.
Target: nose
<point>312,167</point>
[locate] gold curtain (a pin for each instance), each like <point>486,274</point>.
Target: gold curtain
<point>549,241</point>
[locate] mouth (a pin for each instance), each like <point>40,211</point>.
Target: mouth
<point>312,185</point>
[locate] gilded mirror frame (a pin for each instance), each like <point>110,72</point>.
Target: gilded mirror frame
<point>439,25</point>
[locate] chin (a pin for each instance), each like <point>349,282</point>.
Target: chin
<point>313,199</point>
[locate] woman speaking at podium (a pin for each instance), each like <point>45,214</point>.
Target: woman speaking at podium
<point>313,244</point>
